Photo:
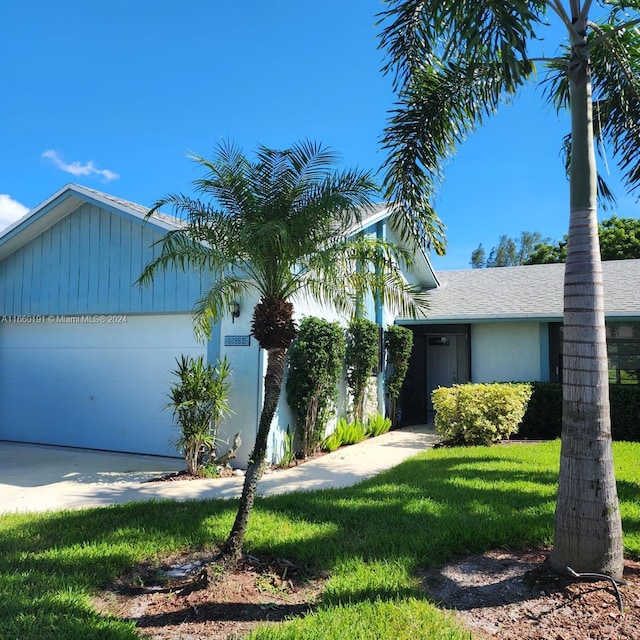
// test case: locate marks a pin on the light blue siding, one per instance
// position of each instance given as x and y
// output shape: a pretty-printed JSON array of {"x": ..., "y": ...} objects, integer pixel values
[{"x": 88, "y": 263}]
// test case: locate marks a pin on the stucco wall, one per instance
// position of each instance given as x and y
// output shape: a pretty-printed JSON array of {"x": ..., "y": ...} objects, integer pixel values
[{"x": 505, "y": 351}]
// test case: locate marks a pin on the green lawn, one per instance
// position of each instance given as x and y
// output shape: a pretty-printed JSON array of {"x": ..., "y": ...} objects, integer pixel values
[{"x": 370, "y": 539}]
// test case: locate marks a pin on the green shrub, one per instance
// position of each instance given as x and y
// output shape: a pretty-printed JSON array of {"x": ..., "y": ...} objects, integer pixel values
[
  {"x": 361, "y": 358},
  {"x": 332, "y": 442},
  {"x": 377, "y": 425},
  {"x": 543, "y": 418},
  {"x": 345, "y": 433},
  {"x": 200, "y": 400},
  {"x": 314, "y": 370},
  {"x": 625, "y": 412},
  {"x": 398, "y": 342},
  {"x": 479, "y": 414},
  {"x": 351, "y": 432}
]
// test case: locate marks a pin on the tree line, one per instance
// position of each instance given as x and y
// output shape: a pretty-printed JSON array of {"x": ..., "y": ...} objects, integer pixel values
[{"x": 619, "y": 240}]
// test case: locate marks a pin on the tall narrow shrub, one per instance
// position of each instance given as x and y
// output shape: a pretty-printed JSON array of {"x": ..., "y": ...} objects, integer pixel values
[
  {"x": 315, "y": 368},
  {"x": 398, "y": 342},
  {"x": 362, "y": 355}
]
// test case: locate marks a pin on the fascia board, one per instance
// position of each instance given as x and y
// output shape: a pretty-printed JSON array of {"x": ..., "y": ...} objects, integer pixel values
[{"x": 57, "y": 207}]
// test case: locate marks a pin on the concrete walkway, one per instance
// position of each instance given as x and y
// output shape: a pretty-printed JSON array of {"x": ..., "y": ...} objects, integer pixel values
[{"x": 42, "y": 478}]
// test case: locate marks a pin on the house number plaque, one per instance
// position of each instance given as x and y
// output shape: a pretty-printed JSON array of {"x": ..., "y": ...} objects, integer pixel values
[{"x": 237, "y": 341}]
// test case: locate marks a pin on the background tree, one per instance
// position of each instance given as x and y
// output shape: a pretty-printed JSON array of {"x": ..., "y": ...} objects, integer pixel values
[
  {"x": 278, "y": 227},
  {"x": 619, "y": 240},
  {"x": 478, "y": 258},
  {"x": 315, "y": 368},
  {"x": 508, "y": 252},
  {"x": 546, "y": 253},
  {"x": 454, "y": 64}
]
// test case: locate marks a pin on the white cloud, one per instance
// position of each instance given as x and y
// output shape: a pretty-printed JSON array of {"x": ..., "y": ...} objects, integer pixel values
[
  {"x": 10, "y": 210},
  {"x": 77, "y": 168}
]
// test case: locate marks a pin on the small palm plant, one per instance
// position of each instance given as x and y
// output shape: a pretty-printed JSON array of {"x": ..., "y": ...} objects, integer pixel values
[
  {"x": 200, "y": 401},
  {"x": 280, "y": 228}
]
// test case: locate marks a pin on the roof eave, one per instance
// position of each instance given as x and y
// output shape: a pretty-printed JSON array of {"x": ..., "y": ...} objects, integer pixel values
[{"x": 57, "y": 207}]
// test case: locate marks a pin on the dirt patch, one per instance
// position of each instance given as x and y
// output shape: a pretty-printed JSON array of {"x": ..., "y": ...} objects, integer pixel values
[
  {"x": 498, "y": 594},
  {"x": 227, "y": 471},
  {"x": 511, "y": 596},
  {"x": 167, "y": 600}
]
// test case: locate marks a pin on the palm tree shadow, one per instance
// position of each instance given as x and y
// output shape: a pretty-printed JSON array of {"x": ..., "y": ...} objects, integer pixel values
[{"x": 493, "y": 579}]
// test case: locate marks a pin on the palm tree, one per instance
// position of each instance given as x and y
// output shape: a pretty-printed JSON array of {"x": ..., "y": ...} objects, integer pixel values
[
  {"x": 279, "y": 227},
  {"x": 454, "y": 64}
]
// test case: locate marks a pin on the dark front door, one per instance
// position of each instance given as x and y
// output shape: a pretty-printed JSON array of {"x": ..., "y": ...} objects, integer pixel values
[{"x": 440, "y": 358}]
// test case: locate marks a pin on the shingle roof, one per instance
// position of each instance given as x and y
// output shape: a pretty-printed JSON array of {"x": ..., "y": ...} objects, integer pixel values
[
  {"x": 534, "y": 291},
  {"x": 132, "y": 206}
]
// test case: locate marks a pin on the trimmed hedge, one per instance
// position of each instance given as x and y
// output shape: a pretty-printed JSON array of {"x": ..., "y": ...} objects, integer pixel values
[
  {"x": 543, "y": 418},
  {"x": 479, "y": 414},
  {"x": 315, "y": 367}
]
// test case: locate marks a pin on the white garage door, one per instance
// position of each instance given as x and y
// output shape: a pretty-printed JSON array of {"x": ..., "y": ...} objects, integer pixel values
[{"x": 98, "y": 382}]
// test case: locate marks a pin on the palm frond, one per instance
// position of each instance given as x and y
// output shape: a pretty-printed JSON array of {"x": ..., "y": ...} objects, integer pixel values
[
  {"x": 419, "y": 31},
  {"x": 615, "y": 64},
  {"x": 280, "y": 226},
  {"x": 214, "y": 305},
  {"x": 615, "y": 77},
  {"x": 356, "y": 267},
  {"x": 178, "y": 250},
  {"x": 437, "y": 111}
]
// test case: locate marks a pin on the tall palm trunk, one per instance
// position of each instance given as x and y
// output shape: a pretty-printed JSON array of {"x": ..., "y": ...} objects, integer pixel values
[
  {"x": 588, "y": 531},
  {"x": 232, "y": 548}
]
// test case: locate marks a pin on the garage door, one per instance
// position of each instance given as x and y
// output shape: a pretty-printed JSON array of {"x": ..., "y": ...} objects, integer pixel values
[{"x": 92, "y": 381}]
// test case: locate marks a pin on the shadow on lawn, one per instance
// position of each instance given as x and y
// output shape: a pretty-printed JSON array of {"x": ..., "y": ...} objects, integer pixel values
[{"x": 419, "y": 514}]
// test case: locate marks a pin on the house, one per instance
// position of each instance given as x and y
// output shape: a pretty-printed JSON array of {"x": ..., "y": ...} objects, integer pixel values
[
  {"x": 86, "y": 355},
  {"x": 504, "y": 324}
]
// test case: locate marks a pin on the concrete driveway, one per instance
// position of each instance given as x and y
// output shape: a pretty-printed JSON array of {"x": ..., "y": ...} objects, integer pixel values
[{"x": 41, "y": 478}]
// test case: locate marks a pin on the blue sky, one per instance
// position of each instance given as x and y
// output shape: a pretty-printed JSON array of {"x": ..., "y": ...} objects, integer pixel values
[{"x": 115, "y": 95}]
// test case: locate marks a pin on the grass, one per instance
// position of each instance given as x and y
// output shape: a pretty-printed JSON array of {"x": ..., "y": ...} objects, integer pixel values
[{"x": 370, "y": 538}]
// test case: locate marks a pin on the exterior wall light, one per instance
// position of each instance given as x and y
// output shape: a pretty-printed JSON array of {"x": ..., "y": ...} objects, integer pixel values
[{"x": 234, "y": 310}]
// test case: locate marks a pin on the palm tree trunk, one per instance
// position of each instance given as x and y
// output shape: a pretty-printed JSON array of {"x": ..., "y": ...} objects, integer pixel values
[
  {"x": 232, "y": 548},
  {"x": 588, "y": 531}
]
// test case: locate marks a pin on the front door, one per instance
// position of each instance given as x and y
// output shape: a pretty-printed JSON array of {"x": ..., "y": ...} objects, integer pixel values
[
  {"x": 442, "y": 366},
  {"x": 440, "y": 358}
]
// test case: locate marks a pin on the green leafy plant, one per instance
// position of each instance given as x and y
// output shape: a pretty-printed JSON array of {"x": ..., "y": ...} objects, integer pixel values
[
  {"x": 398, "y": 342},
  {"x": 332, "y": 442},
  {"x": 288, "y": 450},
  {"x": 377, "y": 425},
  {"x": 200, "y": 401},
  {"x": 345, "y": 433},
  {"x": 209, "y": 469},
  {"x": 315, "y": 366},
  {"x": 355, "y": 432},
  {"x": 479, "y": 414},
  {"x": 361, "y": 358}
]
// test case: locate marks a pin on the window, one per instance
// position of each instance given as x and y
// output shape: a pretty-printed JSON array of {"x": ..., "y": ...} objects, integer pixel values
[{"x": 623, "y": 349}]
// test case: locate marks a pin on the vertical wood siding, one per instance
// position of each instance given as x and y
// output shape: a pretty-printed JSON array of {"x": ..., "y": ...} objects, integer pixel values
[{"x": 87, "y": 263}]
